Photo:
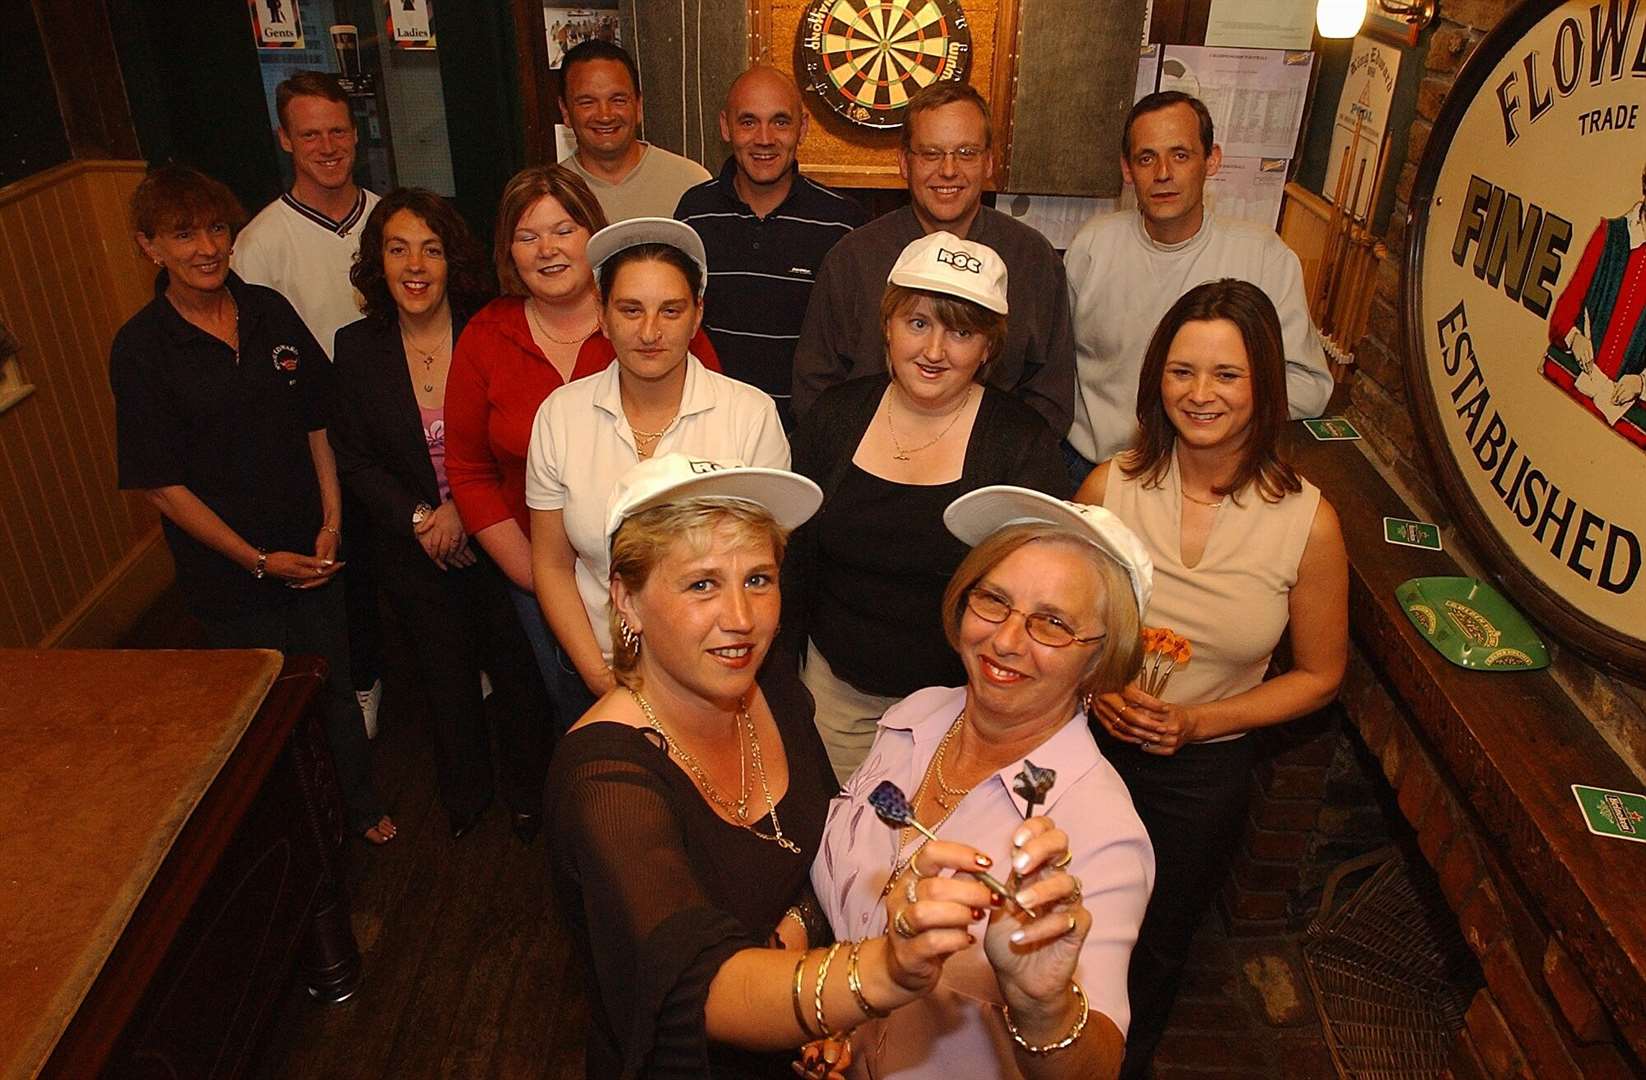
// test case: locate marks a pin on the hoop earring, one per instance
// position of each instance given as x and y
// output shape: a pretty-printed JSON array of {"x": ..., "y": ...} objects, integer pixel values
[{"x": 631, "y": 638}]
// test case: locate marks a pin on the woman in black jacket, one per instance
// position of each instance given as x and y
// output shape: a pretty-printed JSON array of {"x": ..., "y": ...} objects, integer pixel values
[
  {"x": 863, "y": 584},
  {"x": 420, "y": 271}
]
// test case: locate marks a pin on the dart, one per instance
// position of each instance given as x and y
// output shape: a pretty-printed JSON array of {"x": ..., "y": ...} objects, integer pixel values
[{"x": 892, "y": 807}]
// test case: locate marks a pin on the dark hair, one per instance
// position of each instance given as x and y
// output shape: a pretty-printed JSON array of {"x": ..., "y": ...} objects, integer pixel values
[
  {"x": 181, "y": 195},
  {"x": 663, "y": 253},
  {"x": 524, "y": 189},
  {"x": 468, "y": 271},
  {"x": 320, "y": 84},
  {"x": 1250, "y": 310},
  {"x": 951, "y": 311},
  {"x": 937, "y": 95},
  {"x": 595, "y": 49},
  {"x": 1165, "y": 99}
]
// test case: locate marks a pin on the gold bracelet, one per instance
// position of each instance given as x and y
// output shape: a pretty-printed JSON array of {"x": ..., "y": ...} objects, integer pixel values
[
  {"x": 799, "y": 1013},
  {"x": 1063, "y": 1043},
  {"x": 331, "y": 529},
  {"x": 854, "y": 983},
  {"x": 817, "y": 991},
  {"x": 795, "y": 914}
]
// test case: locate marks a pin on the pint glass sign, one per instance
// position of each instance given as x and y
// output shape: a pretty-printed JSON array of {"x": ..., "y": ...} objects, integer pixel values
[{"x": 1525, "y": 293}]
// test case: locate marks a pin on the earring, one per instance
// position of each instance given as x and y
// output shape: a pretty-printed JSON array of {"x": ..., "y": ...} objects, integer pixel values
[{"x": 631, "y": 638}]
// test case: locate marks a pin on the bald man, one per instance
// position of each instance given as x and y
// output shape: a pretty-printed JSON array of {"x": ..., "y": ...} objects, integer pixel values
[{"x": 766, "y": 229}]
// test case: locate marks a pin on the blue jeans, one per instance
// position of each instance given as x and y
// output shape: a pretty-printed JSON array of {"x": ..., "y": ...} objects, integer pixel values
[{"x": 569, "y": 696}]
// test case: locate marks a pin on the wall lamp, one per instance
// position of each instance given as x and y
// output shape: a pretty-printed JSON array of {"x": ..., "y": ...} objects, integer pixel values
[{"x": 1343, "y": 18}]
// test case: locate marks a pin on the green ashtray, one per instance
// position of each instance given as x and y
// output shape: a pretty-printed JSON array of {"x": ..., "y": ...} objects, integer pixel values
[{"x": 1471, "y": 624}]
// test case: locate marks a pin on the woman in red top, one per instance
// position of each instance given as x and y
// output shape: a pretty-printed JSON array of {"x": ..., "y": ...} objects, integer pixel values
[{"x": 541, "y": 333}]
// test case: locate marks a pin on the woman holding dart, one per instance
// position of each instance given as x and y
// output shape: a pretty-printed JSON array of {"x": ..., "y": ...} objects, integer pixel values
[{"x": 1044, "y": 611}]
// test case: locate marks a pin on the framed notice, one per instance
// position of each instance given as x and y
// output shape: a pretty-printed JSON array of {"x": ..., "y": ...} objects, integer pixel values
[
  {"x": 276, "y": 24},
  {"x": 1255, "y": 96},
  {"x": 1525, "y": 288},
  {"x": 410, "y": 26},
  {"x": 1362, "y": 118}
]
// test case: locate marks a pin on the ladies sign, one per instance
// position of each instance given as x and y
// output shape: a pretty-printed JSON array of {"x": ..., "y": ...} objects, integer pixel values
[{"x": 1525, "y": 287}]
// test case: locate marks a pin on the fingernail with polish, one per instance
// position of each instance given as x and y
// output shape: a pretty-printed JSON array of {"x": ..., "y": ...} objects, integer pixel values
[
  {"x": 977, "y": 913},
  {"x": 1017, "y": 937},
  {"x": 1021, "y": 900},
  {"x": 1020, "y": 838},
  {"x": 984, "y": 861},
  {"x": 1021, "y": 860}
]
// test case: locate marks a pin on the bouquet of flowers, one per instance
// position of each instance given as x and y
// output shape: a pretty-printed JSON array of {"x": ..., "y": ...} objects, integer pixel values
[{"x": 1164, "y": 651}]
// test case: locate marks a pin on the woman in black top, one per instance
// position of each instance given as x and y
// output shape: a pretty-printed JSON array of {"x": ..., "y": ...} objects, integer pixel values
[
  {"x": 220, "y": 396},
  {"x": 420, "y": 272},
  {"x": 865, "y": 580},
  {"x": 688, "y": 803}
]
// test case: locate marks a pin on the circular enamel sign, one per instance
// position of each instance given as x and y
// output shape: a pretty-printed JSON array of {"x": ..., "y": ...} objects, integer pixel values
[
  {"x": 1525, "y": 287},
  {"x": 865, "y": 57}
]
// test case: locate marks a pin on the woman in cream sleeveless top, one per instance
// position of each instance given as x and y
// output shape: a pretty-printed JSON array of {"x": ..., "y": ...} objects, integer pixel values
[{"x": 1243, "y": 548}]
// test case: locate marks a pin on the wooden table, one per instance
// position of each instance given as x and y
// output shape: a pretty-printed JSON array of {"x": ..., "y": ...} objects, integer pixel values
[{"x": 170, "y": 850}]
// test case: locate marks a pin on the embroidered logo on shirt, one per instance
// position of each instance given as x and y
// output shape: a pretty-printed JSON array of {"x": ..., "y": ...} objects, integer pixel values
[
  {"x": 803, "y": 270},
  {"x": 285, "y": 361}
]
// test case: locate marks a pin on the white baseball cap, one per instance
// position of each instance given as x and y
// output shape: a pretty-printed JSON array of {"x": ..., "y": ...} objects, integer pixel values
[
  {"x": 941, "y": 262},
  {"x": 648, "y": 230},
  {"x": 977, "y": 515},
  {"x": 788, "y": 497}
]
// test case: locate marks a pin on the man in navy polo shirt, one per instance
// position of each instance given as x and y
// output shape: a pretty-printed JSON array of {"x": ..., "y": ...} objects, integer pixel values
[{"x": 766, "y": 229}]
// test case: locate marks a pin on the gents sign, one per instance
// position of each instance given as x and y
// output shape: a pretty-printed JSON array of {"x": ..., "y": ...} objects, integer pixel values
[{"x": 1526, "y": 282}]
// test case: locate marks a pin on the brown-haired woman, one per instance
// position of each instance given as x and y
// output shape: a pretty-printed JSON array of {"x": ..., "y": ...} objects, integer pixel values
[
  {"x": 890, "y": 452},
  {"x": 1243, "y": 548},
  {"x": 221, "y": 399},
  {"x": 542, "y": 333},
  {"x": 421, "y": 274}
]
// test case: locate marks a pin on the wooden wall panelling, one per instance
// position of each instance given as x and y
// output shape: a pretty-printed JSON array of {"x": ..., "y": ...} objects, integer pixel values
[
  {"x": 1074, "y": 80},
  {"x": 689, "y": 53},
  {"x": 69, "y": 276}
]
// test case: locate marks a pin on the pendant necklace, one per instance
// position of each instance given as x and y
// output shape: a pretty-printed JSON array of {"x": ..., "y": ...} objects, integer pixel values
[
  {"x": 428, "y": 354},
  {"x": 903, "y": 452},
  {"x": 738, "y": 809},
  {"x": 1205, "y": 502},
  {"x": 933, "y": 771}
]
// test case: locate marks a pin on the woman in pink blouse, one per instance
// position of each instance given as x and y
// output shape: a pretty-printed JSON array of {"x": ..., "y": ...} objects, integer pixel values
[{"x": 1043, "y": 611}]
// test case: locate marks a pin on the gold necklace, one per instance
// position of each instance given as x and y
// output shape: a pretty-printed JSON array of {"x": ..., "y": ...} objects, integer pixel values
[
  {"x": 1205, "y": 502},
  {"x": 645, "y": 442},
  {"x": 443, "y": 344},
  {"x": 904, "y": 452},
  {"x": 900, "y": 864},
  {"x": 739, "y": 809},
  {"x": 943, "y": 787},
  {"x": 537, "y": 321}
]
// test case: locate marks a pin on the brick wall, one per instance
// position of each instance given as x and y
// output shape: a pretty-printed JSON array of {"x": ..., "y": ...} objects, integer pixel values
[{"x": 1379, "y": 399}]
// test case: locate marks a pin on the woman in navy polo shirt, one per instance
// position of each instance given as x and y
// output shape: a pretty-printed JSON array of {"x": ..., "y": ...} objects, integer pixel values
[{"x": 220, "y": 408}]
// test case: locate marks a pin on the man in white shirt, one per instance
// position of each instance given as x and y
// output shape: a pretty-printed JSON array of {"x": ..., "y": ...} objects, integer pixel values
[
  {"x": 303, "y": 243},
  {"x": 600, "y": 101},
  {"x": 1127, "y": 268}
]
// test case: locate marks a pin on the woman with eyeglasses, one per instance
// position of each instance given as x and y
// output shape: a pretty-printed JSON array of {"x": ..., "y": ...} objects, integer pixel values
[
  {"x": 1043, "y": 612},
  {"x": 1243, "y": 549},
  {"x": 890, "y": 451}
]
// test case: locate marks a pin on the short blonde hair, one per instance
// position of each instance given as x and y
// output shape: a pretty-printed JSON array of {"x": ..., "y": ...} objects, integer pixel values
[
  {"x": 644, "y": 540},
  {"x": 1117, "y": 661}
]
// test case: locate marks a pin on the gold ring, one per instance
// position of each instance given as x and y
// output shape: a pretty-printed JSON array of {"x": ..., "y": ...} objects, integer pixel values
[
  {"x": 914, "y": 865},
  {"x": 1076, "y": 896},
  {"x": 901, "y": 925},
  {"x": 1063, "y": 860},
  {"x": 909, "y": 892},
  {"x": 1073, "y": 923}
]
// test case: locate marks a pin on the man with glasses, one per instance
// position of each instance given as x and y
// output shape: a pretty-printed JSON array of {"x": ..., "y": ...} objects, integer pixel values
[{"x": 947, "y": 160}]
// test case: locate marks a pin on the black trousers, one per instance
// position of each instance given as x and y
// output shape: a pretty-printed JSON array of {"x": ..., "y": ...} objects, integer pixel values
[
  {"x": 1193, "y": 804},
  {"x": 312, "y": 622},
  {"x": 468, "y": 626},
  {"x": 360, "y": 596}
]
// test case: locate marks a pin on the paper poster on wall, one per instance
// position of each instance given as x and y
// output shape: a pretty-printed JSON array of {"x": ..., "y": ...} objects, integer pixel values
[
  {"x": 565, "y": 142},
  {"x": 569, "y": 27},
  {"x": 409, "y": 25},
  {"x": 1148, "y": 72},
  {"x": 276, "y": 24},
  {"x": 1363, "y": 104},
  {"x": 1264, "y": 24},
  {"x": 1248, "y": 189},
  {"x": 1255, "y": 96}
]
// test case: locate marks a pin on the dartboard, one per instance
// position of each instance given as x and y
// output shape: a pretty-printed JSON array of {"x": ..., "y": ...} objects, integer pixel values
[{"x": 865, "y": 57}]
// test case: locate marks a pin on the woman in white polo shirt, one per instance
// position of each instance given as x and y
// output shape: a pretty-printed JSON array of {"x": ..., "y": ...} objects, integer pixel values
[{"x": 656, "y": 399}]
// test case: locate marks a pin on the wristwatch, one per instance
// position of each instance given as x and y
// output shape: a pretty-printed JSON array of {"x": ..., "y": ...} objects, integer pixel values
[
  {"x": 262, "y": 565},
  {"x": 420, "y": 514}
]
